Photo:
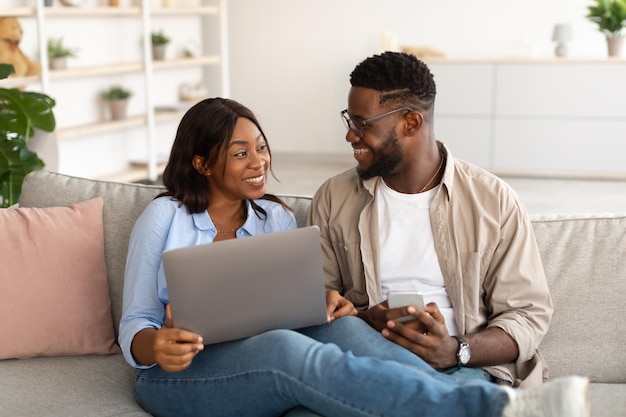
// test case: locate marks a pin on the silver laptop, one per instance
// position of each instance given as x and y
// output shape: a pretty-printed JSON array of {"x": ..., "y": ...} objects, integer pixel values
[{"x": 238, "y": 288}]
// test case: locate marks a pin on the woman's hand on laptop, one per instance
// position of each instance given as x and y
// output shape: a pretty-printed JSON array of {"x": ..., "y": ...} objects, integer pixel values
[
  {"x": 174, "y": 349},
  {"x": 338, "y": 306}
]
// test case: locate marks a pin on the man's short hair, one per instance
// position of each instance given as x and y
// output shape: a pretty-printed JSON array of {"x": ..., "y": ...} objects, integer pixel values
[{"x": 401, "y": 78}]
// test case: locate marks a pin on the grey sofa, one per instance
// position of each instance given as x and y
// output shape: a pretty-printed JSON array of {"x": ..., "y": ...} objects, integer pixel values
[{"x": 584, "y": 258}]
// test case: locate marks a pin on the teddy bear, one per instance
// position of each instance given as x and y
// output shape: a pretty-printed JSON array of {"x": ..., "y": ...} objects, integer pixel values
[{"x": 10, "y": 53}]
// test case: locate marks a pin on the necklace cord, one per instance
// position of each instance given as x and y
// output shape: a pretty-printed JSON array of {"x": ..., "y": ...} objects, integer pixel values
[
  {"x": 219, "y": 232},
  {"x": 434, "y": 176},
  {"x": 240, "y": 221}
]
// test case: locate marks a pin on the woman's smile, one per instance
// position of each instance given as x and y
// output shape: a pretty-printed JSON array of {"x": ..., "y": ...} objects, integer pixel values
[{"x": 256, "y": 180}]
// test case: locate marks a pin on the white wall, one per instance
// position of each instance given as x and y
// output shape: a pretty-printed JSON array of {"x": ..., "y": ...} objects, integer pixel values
[{"x": 291, "y": 59}]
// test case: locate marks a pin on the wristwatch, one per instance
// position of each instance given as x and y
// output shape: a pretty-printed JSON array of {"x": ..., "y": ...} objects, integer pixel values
[{"x": 464, "y": 353}]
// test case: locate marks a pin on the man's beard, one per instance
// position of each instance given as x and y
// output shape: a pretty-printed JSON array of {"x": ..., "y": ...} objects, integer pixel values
[{"x": 385, "y": 160}]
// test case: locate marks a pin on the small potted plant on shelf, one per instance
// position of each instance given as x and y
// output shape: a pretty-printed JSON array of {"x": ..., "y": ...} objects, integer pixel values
[
  {"x": 610, "y": 16},
  {"x": 21, "y": 112},
  {"x": 117, "y": 98},
  {"x": 58, "y": 53},
  {"x": 159, "y": 42}
]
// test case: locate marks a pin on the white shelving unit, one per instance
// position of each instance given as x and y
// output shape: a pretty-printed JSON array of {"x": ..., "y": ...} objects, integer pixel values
[{"x": 81, "y": 118}]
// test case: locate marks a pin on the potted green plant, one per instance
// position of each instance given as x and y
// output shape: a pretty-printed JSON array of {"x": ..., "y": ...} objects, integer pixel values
[
  {"x": 117, "y": 98},
  {"x": 20, "y": 113},
  {"x": 610, "y": 16},
  {"x": 159, "y": 42},
  {"x": 58, "y": 53}
]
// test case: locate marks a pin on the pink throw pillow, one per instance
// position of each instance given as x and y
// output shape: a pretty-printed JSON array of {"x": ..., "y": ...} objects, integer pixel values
[{"x": 54, "y": 296}]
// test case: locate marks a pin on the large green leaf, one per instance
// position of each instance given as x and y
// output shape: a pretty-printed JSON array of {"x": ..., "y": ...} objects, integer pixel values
[
  {"x": 609, "y": 15},
  {"x": 13, "y": 117},
  {"x": 39, "y": 107},
  {"x": 15, "y": 162},
  {"x": 20, "y": 113},
  {"x": 6, "y": 70}
]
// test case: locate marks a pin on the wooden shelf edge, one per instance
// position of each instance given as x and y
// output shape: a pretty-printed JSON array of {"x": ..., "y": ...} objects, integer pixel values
[
  {"x": 88, "y": 129},
  {"x": 61, "y": 11},
  {"x": 100, "y": 127},
  {"x": 539, "y": 174},
  {"x": 119, "y": 68},
  {"x": 185, "y": 62},
  {"x": 19, "y": 12},
  {"x": 66, "y": 11},
  {"x": 110, "y": 69},
  {"x": 93, "y": 71},
  {"x": 190, "y": 10}
]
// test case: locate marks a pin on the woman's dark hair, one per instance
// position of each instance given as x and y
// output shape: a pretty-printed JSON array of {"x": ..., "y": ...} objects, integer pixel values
[{"x": 204, "y": 130}]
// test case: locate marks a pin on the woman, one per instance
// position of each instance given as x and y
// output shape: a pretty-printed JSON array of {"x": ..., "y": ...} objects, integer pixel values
[{"x": 216, "y": 181}]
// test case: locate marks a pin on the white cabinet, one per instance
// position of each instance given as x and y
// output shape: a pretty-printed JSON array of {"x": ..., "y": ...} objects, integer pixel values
[
  {"x": 114, "y": 48},
  {"x": 561, "y": 89},
  {"x": 555, "y": 117}
]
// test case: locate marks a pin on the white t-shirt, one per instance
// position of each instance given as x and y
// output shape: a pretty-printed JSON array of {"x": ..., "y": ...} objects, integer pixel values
[{"x": 408, "y": 261}]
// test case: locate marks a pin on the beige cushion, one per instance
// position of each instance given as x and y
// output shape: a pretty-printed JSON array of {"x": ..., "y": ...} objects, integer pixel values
[{"x": 54, "y": 298}]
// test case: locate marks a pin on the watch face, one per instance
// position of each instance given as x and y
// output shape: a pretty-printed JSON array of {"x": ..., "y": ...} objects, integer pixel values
[
  {"x": 74, "y": 3},
  {"x": 464, "y": 354}
]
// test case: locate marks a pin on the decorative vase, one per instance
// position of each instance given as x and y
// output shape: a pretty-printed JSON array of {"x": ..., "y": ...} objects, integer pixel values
[
  {"x": 114, "y": 3},
  {"x": 47, "y": 3},
  {"x": 118, "y": 109},
  {"x": 58, "y": 63},
  {"x": 614, "y": 44},
  {"x": 158, "y": 52}
]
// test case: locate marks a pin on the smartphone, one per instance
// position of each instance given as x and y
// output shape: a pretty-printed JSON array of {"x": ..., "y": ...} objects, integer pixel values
[{"x": 397, "y": 299}]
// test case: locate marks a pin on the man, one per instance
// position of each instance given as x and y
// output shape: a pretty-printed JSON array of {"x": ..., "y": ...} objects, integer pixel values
[{"x": 413, "y": 217}]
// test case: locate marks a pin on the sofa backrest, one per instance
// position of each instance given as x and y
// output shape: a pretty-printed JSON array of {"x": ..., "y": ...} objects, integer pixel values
[
  {"x": 123, "y": 203},
  {"x": 584, "y": 258}
]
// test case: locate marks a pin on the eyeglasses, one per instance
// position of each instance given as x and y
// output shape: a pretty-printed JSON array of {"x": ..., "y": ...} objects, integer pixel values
[{"x": 357, "y": 125}]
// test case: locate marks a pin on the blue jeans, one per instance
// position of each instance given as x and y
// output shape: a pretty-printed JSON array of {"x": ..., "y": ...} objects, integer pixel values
[{"x": 353, "y": 372}]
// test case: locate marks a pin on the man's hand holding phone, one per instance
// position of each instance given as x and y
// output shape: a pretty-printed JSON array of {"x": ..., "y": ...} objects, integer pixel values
[
  {"x": 395, "y": 309},
  {"x": 398, "y": 299},
  {"x": 402, "y": 307},
  {"x": 420, "y": 329}
]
